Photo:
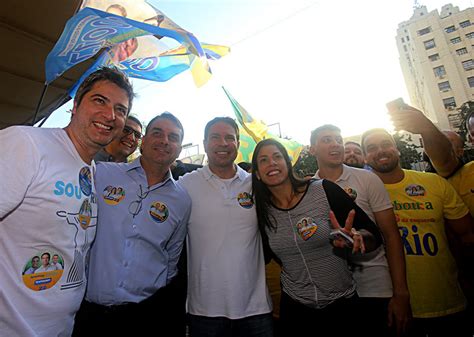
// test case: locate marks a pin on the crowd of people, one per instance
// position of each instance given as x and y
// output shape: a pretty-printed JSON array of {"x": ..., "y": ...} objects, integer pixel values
[{"x": 155, "y": 247}]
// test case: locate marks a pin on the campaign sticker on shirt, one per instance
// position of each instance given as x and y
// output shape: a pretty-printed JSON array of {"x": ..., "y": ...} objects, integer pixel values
[
  {"x": 306, "y": 228},
  {"x": 85, "y": 214},
  {"x": 43, "y": 270},
  {"x": 245, "y": 200},
  {"x": 85, "y": 180},
  {"x": 415, "y": 190},
  {"x": 159, "y": 211},
  {"x": 352, "y": 192},
  {"x": 113, "y": 195}
]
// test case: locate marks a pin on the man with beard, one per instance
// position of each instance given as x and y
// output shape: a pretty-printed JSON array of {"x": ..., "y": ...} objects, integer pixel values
[
  {"x": 353, "y": 155},
  {"x": 426, "y": 206},
  {"x": 380, "y": 275}
]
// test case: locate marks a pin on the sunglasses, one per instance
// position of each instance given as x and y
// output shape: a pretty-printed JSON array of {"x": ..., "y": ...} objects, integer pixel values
[{"x": 128, "y": 131}]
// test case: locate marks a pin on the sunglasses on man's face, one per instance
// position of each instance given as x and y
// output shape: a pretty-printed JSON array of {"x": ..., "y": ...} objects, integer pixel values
[{"x": 128, "y": 131}]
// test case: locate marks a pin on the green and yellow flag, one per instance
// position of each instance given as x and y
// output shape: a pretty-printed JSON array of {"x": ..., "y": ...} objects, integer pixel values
[{"x": 252, "y": 131}]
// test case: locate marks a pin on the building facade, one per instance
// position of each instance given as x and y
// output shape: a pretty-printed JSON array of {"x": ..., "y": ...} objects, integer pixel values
[{"x": 437, "y": 60}]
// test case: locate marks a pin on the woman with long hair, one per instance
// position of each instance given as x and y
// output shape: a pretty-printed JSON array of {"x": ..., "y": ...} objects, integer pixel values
[{"x": 296, "y": 219}]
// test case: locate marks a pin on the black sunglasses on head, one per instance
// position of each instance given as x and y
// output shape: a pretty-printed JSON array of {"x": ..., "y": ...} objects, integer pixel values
[{"x": 128, "y": 130}]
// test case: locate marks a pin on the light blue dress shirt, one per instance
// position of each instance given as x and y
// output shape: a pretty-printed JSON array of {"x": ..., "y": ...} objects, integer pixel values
[{"x": 140, "y": 234}]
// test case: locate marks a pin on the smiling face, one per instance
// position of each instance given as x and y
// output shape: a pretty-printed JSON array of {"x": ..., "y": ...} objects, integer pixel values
[
  {"x": 328, "y": 148},
  {"x": 221, "y": 146},
  {"x": 272, "y": 168},
  {"x": 162, "y": 143},
  {"x": 381, "y": 153},
  {"x": 353, "y": 155},
  {"x": 99, "y": 117},
  {"x": 45, "y": 260},
  {"x": 124, "y": 145}
]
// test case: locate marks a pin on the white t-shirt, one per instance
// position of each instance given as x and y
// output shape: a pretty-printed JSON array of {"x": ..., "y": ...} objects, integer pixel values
[
  {"x": 47, "y": 205},
  {"x": 371, "y": 270},
  {"x": 226, "y": 268}
]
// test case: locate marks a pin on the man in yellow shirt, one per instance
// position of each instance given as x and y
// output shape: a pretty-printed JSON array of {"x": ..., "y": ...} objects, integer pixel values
[{"x": 425, "y": 205}]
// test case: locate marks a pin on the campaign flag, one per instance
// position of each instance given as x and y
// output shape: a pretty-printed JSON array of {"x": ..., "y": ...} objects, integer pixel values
[
  {"x": 253, "y": 131},
  {"x": 92, "y": 30}
]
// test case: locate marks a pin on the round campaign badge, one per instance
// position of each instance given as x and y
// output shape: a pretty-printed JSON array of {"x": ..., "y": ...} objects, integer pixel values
[
  {"x": 85, "y": 214},
  {"x": 113, "y": 195},
  {"x": 415, "y": 190},
  {"x": 158, "y": 211},
  {"x": 85, "y": 180},
  {"x": 245, "y": 200},
  {"x": 306, "y": 228},
  {"x": 43, "y": 270},
  {"x": 352, "y": 192}
]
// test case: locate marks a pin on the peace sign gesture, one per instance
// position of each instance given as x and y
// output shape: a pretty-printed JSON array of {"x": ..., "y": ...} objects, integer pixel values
[{"x": 346, "y": 236}]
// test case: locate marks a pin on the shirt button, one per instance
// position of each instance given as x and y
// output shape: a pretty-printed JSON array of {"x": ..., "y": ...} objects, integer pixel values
[{"x": 125, "y": 264}]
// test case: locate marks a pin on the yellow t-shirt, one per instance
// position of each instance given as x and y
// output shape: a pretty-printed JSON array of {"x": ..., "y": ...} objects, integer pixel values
[
  {"x": 421, "y": 201},
  {"x": 463, "y": 183}
]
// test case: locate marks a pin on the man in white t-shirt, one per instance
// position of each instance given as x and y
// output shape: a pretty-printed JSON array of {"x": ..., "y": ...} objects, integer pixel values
[
  {"x": 374, "y": 275},
  {"x": 49, "y": 204},
  {"x": 227, "y": 293}
]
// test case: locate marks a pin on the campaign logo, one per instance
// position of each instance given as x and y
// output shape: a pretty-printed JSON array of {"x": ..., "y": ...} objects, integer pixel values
[
  {"x": 415, "y": 190},
  {"x": 245, "y": 200},
  {"x": 351, "y": 192},
  {"x": 159, "y": 211},
  {"x": 306, "y": 228},
  {"x": 113, "y": 195},
  {"x": 85, "y": 180},
  {"x": 43, "y": 270}
]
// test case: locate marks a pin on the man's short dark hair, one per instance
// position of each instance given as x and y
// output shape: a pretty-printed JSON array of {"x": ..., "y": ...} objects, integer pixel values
[
  {"x": 169, "y": 116},
  {"x": 226, "y": 120},
  {"x": 135, "y": 119},
  {"x": 372, "y": 131},
  {"x": 326, "y": 127},
  {"x": 46, "y": 253},
  {"x": 353, "y": 143},
  {"x": 111, "y": 74}
]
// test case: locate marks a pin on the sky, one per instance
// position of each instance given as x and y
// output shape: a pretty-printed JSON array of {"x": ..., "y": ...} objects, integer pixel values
[{"x": 299, "y": 63}]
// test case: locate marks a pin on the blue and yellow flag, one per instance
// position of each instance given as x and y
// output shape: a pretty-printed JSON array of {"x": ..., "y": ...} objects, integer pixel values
[
  {"x": 135, "y": 47},
  {"x": 253, "y": 131}
]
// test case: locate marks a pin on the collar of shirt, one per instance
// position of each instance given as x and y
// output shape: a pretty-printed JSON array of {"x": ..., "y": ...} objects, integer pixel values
[
  {"x": 136, "y": 171},
  {"x": 208, "y": 174},
  {"x": 344, "y": 176}
]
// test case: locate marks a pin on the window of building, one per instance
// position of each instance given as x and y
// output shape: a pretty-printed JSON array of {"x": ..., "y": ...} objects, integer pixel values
[
  {"x": 461, "y": 51},
  {"x": 429, "y": 44},
  {"x": 449, "y": 103},
  {"x": 468, "y": 65},
  {"x": 405, "y": 48},
  {"x": 408, "y": 38},
  {"x": 450, "y": 29},
  {"x": 470, "y": 35},
  {"x": 403, "y": 40},
  {"x": 433, "y": 57},
  {"x": 456, "y": 40},
  {"x": 470, "y": 80},
  {"x": 439, "y": 71},
  {"x": 465, "y": 24},
  {"x": 424, "y": 31},
  {"x": 444, "y": 86}
]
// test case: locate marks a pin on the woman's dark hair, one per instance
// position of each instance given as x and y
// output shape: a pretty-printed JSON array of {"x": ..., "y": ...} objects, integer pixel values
[{"x": 260, "y": 191}]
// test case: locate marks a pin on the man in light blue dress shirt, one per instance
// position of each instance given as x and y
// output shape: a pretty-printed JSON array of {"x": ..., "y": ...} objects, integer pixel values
[{"x": 143, "y": 216}]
